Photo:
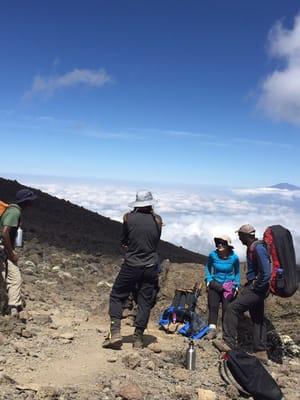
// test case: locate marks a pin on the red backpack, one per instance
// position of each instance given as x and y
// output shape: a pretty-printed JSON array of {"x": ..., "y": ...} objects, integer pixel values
[
  {"x": 284, "y": 282},
  {"x": 279, "y": 242}
]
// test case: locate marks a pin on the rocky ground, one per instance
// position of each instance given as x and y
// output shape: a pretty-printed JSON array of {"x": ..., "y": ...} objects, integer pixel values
[{"x": 54, "y": 350}]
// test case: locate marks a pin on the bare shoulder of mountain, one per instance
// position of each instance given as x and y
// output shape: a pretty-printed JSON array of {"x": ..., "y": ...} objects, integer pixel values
[
  {"x": 66, "y": 225},
  {"x": 286, "y": 186}
]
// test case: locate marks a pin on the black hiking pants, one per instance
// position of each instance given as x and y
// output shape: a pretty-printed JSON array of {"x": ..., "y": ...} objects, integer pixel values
[
  {"x": 214, "y": 298},
  {"x": 127, "y": 281},
  {"x": 253, "y": 302}
]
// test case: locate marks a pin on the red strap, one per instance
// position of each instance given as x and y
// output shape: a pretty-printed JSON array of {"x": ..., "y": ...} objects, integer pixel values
[{"x": 268, "y": 238}]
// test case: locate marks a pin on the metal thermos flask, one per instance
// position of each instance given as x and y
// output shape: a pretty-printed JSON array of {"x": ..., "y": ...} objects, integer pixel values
[
  {"x": 19, "y": 238},
  {"x": 190, "y": 357}
]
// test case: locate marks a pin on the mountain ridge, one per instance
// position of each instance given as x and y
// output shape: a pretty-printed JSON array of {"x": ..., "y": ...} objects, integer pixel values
[{"x": 61, "y": 223}]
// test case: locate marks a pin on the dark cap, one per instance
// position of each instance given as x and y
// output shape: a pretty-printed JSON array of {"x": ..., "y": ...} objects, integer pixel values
[
  {"x": 25, "y": 195},
  {"x": 247, "y": 228}
]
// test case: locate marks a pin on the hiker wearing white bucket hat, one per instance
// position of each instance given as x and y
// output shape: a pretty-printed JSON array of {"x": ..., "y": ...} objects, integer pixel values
[
  {"x": 139, "y": 273},
  {"x": 143, "y": 198}
]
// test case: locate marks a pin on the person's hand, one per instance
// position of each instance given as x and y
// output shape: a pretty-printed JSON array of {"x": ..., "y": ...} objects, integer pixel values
[{"x": 14, "y": 258}]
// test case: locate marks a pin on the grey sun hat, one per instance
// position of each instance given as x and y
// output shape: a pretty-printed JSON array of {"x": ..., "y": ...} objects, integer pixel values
[
  {"x": 247, "y": 228},
  {"x": 143, "y": 198},
  {"x": 226, "y": 238}
]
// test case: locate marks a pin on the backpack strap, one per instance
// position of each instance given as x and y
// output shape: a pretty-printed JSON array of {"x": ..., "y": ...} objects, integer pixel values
[
  {"x": 10, "y": 206},
  {"x": 252, "y": 247},
  {"x": 228, "y": 378}
]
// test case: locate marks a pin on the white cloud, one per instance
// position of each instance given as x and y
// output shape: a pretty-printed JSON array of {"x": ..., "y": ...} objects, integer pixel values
[
  {"x": 192, "y": 220},
  {"x": 280, "y": 91},
  {"x": 48, "y": 85},
  {"x": 109, "y": 135}
]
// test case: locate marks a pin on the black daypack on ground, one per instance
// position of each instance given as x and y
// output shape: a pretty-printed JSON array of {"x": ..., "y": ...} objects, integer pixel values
[{"x": 247, "y": 373}]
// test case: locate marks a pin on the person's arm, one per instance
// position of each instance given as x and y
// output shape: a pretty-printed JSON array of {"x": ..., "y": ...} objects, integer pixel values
[
  {"x": 124, "y": 235},
  {"x": 159, "y": 223},
  {"x": 236, "y": 267},
  {"x": 264, "y": 268},
  {"x": 9, "y": 250},
  {"x": 208, "y": 270}
]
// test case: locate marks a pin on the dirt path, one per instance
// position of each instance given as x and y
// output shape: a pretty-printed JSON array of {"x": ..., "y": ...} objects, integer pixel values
[{"x": 81, "y": 361}]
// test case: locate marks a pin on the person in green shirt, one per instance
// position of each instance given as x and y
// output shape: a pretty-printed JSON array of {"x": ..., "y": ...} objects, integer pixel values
[{"x": 10, "y": 221}]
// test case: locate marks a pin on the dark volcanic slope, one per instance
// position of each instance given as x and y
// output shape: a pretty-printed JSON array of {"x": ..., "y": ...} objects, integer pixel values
[{"x": 63, "y": 224}]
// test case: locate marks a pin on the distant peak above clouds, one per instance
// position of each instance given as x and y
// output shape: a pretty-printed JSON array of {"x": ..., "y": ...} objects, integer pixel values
[{"x": 286, "y": 186}]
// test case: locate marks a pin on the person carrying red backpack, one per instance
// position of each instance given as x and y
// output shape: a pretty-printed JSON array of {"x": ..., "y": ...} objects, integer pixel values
[{"x": 252, "y": 296}]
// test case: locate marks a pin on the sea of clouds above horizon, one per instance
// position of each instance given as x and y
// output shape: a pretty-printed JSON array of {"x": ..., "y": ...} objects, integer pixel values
[{"x": 192, "y": 218}]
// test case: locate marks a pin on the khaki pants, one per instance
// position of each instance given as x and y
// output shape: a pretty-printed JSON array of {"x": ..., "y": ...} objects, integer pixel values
[{"x": 13, "y": 280}]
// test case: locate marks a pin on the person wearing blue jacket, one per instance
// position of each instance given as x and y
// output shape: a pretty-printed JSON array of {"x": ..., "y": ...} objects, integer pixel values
[
  {"x": 222, "y": 276},
  {"x": 251, "y": 298}
]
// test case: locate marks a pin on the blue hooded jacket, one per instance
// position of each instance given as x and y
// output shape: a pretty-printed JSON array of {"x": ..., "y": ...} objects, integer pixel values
[{"x": 223, "y": 270}]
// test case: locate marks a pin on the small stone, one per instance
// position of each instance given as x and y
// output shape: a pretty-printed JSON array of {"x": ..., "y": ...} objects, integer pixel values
[
  {"x": 150, "y": 365},
  {"x": 34, "y": 387},
  {"x": 5, "y": 379},
  {"x": 66, "y": 335},
  {"x": 42, "y": 319},
  {"x": 24, "y": 316},
  {"x": 155, "y": 347},
  {"x": 2, "y": 360},
  {"x": 130, "y": 392},
  {"x": 112, "y": 359},
  {"x": 21, "y": 349},
  {"x": 65, "y": 276},
  {"x": 283, "y": 381},
  {"x": 26, "y": 334},
  {"x": 180, "y": 374},
  {"x": 182, "y": 393},
  {"x": 104, "y": 284},
  {"x": 295, "y": 368},
  {"x": 132, "y": 361},
  {"x": 204, "y": 394},
  {"x": 232, "y": 392}
]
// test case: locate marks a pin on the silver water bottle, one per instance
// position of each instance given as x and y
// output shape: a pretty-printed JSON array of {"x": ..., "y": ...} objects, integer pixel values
[
  {"x": 190, "y": 357},
  {"x": 19, "y": 238}
]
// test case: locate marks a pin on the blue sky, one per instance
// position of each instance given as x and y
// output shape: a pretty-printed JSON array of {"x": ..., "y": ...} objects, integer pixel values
[{"x": 162, "y": 91}]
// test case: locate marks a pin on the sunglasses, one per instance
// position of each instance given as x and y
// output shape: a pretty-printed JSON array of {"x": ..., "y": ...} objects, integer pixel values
[{"x": 222, "y": 243}]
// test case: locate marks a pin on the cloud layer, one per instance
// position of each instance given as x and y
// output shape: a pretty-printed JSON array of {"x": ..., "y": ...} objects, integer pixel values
[
  {"x": 48, "y": 85},
  {"x": 191, "y": 219},
  {"x": 280, "y": 91}
]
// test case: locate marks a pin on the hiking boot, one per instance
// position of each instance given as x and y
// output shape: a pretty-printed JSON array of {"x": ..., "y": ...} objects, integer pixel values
[
  {"x": 113, "y": 341},
  {"x": 138, "y": 339},
  {"x": 212, "y": 334},
  {"x": 221, "y": 345},
  {"x": 261, "y": 356}
]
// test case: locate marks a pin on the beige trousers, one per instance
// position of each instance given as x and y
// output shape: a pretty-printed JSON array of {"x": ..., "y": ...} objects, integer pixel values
[{"x": 13, "y": 280}]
